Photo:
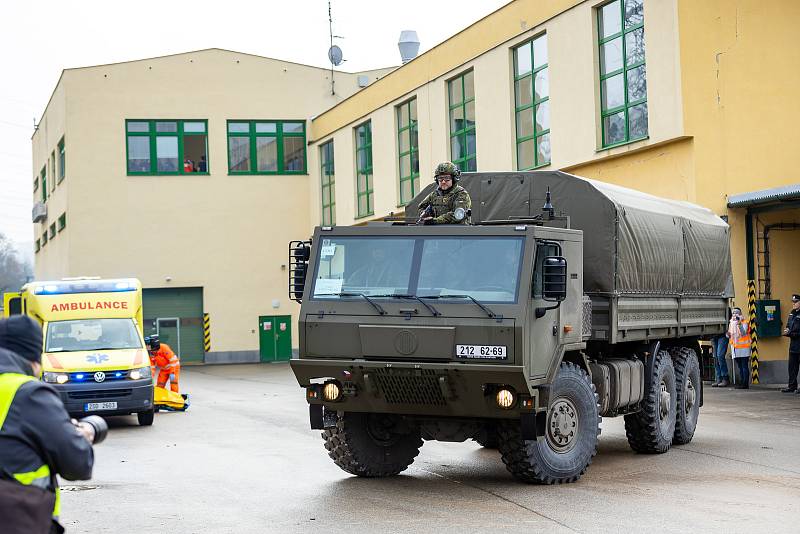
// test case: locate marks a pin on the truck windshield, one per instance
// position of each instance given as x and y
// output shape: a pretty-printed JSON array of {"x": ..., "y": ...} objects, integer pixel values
[
  {"x": 485, "y": 268},
  {"x": 92, "y": 334}
]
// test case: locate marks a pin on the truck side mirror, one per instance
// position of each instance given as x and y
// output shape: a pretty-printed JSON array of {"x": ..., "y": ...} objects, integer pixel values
[{"x": 554, "y": 278}]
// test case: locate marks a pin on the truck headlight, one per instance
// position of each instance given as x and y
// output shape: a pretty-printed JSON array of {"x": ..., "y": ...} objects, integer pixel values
[
  {"x": 142, "y": 372},
  {"x": 505, "y": 398},
  {"x": 55, "y": 378},
  {"x": 332, "y": 391}
]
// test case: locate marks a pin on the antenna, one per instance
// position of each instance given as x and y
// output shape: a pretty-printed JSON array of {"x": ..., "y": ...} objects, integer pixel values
[{"x": 335, "y": 55}]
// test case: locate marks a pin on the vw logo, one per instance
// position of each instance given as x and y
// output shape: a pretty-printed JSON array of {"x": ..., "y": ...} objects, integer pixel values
[{"x": 99, "y": 376}]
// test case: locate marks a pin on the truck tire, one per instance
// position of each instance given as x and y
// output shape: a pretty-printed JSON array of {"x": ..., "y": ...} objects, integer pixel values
[
  {"x": 687, "y": 392},
  {"x": 570, "y": 440},
  {"x": 146, "y": 418},
  {"x": 372, "y": 445},
  {"x": 487, "y": 437},
  {"x": 651, "y": 430}
]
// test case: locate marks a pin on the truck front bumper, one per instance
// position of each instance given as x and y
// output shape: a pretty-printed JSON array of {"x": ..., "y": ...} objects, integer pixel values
[
  {"x": 131, "y": 396},
  {"x": 424, "y": 389}
]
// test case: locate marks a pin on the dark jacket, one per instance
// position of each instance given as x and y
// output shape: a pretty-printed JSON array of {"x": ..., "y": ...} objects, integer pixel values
[
  {"x": 37, "y": 431},
  {"x": 793, "y": 324}
]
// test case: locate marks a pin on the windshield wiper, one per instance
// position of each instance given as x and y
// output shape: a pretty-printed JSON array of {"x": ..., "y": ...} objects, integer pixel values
[
  {"x": 374, "y": 304},
  {"x": 430, "y": 308},
  {"x": 489, "y": 312}
]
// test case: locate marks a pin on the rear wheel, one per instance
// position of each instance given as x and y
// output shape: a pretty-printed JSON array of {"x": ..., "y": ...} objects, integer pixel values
[
  {"x": 651, "y": 430},
  {"x": 570, "y": 440},
  {"x": 146, "y": 418},
  {"x": 687, "y": 391},
  {"x": 372, "y": 445}
]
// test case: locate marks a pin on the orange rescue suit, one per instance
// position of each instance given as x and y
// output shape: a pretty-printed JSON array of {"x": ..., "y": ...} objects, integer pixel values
[{"x": 170, "y": 367}]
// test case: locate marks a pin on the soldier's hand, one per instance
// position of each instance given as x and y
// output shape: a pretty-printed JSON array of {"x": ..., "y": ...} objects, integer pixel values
[{"x": 86, "y": 430}]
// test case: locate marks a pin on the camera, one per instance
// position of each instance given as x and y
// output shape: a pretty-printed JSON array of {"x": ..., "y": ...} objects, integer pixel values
[{"x": 100, "y": 427}]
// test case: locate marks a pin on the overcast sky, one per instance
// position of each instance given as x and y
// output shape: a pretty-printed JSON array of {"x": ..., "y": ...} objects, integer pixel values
[{"x": 39, "y": 39}]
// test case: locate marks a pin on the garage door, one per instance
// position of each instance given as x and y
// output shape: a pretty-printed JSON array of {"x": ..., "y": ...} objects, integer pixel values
[{"x": 176, "y": 315}]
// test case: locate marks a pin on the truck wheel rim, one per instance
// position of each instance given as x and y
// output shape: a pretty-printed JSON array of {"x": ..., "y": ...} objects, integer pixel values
[
  {"x": 691, "y": 397},
  {"x": 665, "y": 401},
  {"x": 382, "y": 429},
  {"x": 563, "y": 425}
]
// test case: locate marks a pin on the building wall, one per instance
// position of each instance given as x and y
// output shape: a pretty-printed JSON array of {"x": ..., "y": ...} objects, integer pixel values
[{"x": 226, "y": 234}]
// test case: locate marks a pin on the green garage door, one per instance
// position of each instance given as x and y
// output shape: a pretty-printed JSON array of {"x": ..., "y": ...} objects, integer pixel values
[{"x": 176, "y": 315}]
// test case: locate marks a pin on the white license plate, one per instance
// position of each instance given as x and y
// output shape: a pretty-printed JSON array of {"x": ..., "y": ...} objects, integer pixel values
[
  {"x": 93, "y": 406},
  {"x": 481, "y": 352}
]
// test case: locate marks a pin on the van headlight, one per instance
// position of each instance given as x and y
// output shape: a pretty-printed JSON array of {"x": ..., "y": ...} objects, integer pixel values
[
  {"x": 55, "y": 378},
  {"x": 138, "y": 374}
]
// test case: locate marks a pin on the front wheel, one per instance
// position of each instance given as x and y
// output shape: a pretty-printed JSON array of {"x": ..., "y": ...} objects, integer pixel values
[
  {"x": 372, "y": 445},
  {"x": 570, "y": 440},
  {"x": 146, "y": 418}
]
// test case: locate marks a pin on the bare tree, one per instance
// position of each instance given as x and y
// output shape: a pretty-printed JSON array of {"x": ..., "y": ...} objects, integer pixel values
[{"x": 14, "y": 271}]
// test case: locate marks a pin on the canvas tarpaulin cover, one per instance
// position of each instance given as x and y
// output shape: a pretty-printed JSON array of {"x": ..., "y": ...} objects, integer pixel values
[{"x": 634, "y": 242}]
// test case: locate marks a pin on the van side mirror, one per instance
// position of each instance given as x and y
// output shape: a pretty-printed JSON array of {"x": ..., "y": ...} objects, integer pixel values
[{"x": 554, "y": 278}]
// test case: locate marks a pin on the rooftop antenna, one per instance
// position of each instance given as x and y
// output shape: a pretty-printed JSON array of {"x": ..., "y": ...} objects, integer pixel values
[
  {"x": 548, "y": 206},
  {"x": 335, "y": 55}
]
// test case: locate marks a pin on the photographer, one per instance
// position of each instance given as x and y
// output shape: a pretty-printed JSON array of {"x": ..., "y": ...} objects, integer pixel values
[
  {"x": 37, "y": 438},
  {"x": 739, "y": 336}
]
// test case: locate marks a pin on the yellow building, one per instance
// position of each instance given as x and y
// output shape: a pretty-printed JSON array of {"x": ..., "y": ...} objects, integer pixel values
[{"x": 684, "y": 99}]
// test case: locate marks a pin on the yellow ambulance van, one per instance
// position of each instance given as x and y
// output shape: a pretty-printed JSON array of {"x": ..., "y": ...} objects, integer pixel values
[{"x": 94, "y": 352}]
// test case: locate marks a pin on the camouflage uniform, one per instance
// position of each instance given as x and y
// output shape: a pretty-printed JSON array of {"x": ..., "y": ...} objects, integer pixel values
[{"x": 444, "y": 203}]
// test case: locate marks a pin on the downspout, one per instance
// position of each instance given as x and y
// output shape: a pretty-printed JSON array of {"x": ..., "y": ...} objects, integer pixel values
[{"x": 748, "y": 230}]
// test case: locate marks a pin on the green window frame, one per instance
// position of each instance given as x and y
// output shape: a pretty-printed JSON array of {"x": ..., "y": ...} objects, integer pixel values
[
  {"x": 53, "y": 173},
  {"x": 62, "y": 161},
  {"x": 166, "y": 147},
  {"x": 44, "y": 237},
  {"x": 532, "y": 103},
  {"x": 35, "y": 183},
  {"x": 38, "y": 246},
  {"x": 266, "y": 147},
  {"x": 461, "y": 105},
  {"x": 43, "y": 175},
  {"x": 364, "y": 186},
  {"x": 327, "y": 175},
  {"x": 623, "y": 73},
  {"x": 52, "y": 231},
  {"x": 62, "y": 221},
  {"x": 408, "y": 150}
]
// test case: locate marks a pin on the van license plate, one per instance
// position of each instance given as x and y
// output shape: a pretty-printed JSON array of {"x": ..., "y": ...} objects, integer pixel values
[
  {"x": 481, "y": 352},
  {"x": 94, "y": 406}
]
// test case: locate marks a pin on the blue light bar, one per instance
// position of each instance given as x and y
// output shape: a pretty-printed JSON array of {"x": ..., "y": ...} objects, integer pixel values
[{"x": 66, "y": 287}]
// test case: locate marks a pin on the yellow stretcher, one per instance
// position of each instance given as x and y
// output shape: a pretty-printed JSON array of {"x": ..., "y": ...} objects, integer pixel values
[{"x": 170, "y": 401}]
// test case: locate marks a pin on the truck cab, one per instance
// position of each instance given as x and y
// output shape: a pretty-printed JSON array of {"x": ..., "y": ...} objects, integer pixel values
[{"x": 93, "y": 350}]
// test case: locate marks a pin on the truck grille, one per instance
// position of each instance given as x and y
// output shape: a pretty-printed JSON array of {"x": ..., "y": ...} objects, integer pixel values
[
  {"x": 98, "y": 394},
  {"x": 410, "y": 386}
]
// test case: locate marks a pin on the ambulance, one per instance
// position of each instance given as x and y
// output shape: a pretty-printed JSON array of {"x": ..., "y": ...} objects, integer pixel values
[{"x": 94, "y": 353}]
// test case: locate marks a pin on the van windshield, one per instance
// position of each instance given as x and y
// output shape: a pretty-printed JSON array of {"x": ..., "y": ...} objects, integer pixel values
[
  {"x": 92, "y": 334},
  {"x": 485, "y": 268}
]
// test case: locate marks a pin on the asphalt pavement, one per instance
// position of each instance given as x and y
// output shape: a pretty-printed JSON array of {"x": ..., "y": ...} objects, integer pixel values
[{"x": 243, "y": 460}]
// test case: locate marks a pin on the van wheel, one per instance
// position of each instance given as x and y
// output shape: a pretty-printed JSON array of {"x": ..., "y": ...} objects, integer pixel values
[
  {"x": 687, "y": 392},
  {"x": 372, "y": 444},
  {"x": 570, "y": 440},
  {"x": 146, "y": 418},
  {"x": 651, "y": 430}
]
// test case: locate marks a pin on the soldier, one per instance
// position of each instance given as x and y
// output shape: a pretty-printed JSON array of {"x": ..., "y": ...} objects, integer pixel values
[{"x": 441, "y": 206}]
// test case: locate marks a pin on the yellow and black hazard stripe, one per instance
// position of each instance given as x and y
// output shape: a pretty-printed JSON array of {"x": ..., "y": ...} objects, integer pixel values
[
  {"x": 206, "y": 333},
  {"x": 751, "y": 308}
]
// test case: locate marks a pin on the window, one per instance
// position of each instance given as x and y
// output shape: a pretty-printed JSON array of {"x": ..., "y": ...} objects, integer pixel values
[
  {"x": 266, "y": 147},
  {"x": 327, "y": 184},
  {"x": 52, "y": 230},
  {"x": 44, "y": 237},
  {"x": 408, "y": 150},
  {"x": 167, "y": 146},
  {"x": 623, "y": 81},
  {"x": 62, "y": 161},
  {"x": 53, "y": 171},
  {"x": 35, "y": 184},
  {"x": 62, "y": 221},
  {"x": 43, "y": 175},
  {"x": 532, "y": 104},
  {"x": 38, "y": 245},
  {"x": 364, "y": 192},
  {"x": 461, "y": 93}
]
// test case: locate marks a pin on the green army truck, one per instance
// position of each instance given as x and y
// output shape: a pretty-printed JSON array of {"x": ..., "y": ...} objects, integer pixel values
[{"x": 566, "y": 300}]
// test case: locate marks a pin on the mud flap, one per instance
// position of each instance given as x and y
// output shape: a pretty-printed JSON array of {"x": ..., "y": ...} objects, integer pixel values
[{"x": 315, "y": 416}]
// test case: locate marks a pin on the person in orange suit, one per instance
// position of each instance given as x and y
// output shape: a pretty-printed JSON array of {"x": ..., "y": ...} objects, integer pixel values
[{"x": 162, "y": 356}]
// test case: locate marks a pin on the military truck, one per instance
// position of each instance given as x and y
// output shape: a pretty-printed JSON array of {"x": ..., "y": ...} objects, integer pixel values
[{"x": 566, "y": 300}]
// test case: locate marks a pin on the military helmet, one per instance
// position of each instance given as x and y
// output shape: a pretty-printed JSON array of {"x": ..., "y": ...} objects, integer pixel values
[{"x": 447, "y": 167}]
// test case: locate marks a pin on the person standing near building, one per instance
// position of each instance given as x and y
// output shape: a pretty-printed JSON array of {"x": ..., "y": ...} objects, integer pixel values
[
  {"x": 162, "y": 356},
  {"x": 792, "y": 331},
  {"x": 739, "y": 336},
  {"x": 442, "y": 205},
  {"x": 720, "y": 348},
  {"x": 37, "y": 438}
]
